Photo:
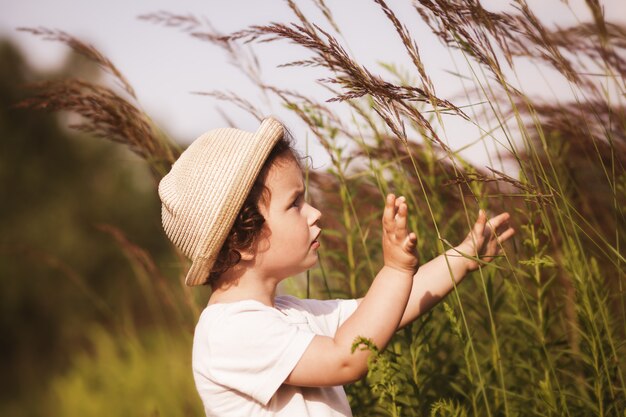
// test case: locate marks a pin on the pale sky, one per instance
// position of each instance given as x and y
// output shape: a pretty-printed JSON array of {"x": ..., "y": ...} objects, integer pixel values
[{"x": 165, "y": 65}]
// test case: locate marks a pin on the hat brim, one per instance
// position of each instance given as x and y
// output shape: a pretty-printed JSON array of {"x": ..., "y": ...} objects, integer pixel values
[{"x": 199, "y": 272}]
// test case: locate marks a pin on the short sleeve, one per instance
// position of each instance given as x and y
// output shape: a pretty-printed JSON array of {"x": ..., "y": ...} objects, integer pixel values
[
  {"x": 253, "y": 349},
  {"x": 328, "y": 315}
]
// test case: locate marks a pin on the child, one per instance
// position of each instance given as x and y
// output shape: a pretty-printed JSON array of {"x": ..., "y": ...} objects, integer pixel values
[{"x": 234, "y": 203}]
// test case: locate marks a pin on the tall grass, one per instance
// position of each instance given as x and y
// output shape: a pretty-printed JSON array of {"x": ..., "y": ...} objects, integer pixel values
[{"x": 541, "y": 331}]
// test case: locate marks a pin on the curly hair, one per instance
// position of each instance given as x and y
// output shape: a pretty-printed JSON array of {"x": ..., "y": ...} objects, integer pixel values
[{"x": 249, "y": 222}]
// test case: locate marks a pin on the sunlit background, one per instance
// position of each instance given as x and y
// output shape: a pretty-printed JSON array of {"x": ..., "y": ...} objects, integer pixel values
[
  {"x": 166, "y": 65},
  {"x": 92, "y": 311}
]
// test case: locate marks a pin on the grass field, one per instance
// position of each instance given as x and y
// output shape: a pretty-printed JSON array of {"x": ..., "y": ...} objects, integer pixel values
[{"x": 540, "y": 332}]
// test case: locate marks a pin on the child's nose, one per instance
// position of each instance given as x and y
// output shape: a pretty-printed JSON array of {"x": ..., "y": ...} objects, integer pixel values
[{"x": 314, "y": 215}]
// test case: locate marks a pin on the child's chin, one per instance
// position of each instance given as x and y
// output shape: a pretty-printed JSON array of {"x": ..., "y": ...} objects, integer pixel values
[{"x": 311, "y": 262}]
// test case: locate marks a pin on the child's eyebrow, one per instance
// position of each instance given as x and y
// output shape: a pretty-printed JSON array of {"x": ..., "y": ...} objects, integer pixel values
[{"x": 296, "y": 194}]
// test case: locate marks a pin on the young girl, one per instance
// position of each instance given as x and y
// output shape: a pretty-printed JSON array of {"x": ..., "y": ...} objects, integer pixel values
[{"x": 234, "y": 204}]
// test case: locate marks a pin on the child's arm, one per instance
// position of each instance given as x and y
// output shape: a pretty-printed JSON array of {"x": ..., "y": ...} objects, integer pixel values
[
  {"x": 433, "y": 281},
  {"x": 329, "y": 361}
]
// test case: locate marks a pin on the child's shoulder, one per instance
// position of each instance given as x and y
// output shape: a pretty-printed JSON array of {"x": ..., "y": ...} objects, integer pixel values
[
  {"x": 222, "y": 310},
  {"x": 287, "y": 308},
  {"x": 227, "y": 321},
  {"x": 249, "y": 309}
]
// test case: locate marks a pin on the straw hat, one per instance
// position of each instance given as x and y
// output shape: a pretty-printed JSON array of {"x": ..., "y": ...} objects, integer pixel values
[{"x": 206, "y": 187}]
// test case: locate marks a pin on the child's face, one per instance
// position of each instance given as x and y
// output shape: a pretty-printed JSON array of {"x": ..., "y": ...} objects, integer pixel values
[{"x": 288, "y": 243}]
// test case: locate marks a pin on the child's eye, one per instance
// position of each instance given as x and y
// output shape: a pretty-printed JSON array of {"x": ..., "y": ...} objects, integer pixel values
[{"x": 296, "y": 202}]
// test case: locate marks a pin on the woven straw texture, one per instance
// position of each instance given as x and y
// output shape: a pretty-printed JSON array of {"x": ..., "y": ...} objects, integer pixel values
[{"x": 206, "y": 187}]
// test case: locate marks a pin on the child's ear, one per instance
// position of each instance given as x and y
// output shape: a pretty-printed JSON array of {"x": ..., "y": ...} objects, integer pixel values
[{"x": 246, "y": 254}]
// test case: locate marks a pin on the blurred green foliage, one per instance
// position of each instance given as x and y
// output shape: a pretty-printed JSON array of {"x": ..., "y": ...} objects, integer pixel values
[
  {"x": 60, "y": 274},
  {"x": 128, "y": 377}
]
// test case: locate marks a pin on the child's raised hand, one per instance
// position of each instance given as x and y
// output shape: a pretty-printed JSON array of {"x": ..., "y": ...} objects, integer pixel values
[
  {"x": 485, "y": 239},
  {"x": 398, "y": 244}
]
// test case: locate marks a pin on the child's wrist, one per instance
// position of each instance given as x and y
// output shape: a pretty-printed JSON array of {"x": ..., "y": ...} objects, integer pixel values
[
  {"x": 403, "y": 270},
  {"x": 464, "y": 253},
  {"x": 460, "y": 255}
]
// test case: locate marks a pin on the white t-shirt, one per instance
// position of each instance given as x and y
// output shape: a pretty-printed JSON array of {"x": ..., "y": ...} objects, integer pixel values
[{"x": 244, "y": 351}]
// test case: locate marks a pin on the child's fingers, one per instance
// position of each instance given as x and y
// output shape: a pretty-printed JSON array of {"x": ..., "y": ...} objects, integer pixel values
[
  {"x": 497, "y": 221},
  {"x": 503, "y": 227},
  {"x": 395, "y": 220},
  {"x": 401, "y": 220},
  {"x": 389, "y": 213},
  {"x": 479, "y": 226},
  {"x": 400, "y": 201},
  {"x": 411, "y": 241},
  {"x": 504, "y": 236}
]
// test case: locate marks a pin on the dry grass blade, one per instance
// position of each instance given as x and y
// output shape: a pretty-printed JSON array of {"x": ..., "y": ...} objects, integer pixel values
[
  {"x": 541, "y": 39},
  {"x": 453, "y": 23},
  {"x": 86, "y": 50},
  {"x": 391, "y": 100},
  {"x": 107, "y": 116},
  {"x": 246, "y": 61},
  {"x": 145, "y": 270},
  {"x": 411, "y": 48},
  {"x": 466, "y": 25},
  {"x": 314, "y": 115},
  {"x": 607, "y": 47},
  {"x": 327, "y": 14},
  {"x": 296, "y": 10},
  {"x": 498, "y": 176},
  {"x": 187, "y": 23},
  {"x": 138, "y": 254}
]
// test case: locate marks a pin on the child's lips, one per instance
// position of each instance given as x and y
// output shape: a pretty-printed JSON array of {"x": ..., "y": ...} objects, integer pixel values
[{"x": 316, "y": 242}]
